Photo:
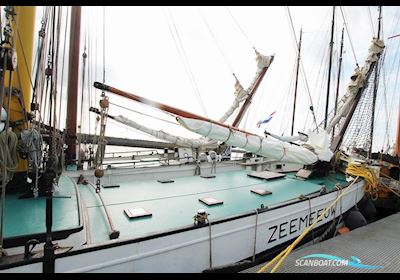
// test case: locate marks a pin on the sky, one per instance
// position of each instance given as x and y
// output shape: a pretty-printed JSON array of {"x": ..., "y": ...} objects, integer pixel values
[{"x": 185, "y": 57}]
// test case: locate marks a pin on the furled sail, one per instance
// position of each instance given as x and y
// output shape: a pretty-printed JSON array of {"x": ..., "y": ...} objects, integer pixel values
[
  {"x": 357, "y": 81},
  {"x": 240, "y": 93},
  {"x": 300, "y": 137},
  {"x": 317, "y": 148},
  {"x": 179, "y": 141}
]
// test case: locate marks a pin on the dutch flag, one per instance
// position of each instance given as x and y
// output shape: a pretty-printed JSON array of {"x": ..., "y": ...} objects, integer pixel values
[{"x": 266, "y": 120}]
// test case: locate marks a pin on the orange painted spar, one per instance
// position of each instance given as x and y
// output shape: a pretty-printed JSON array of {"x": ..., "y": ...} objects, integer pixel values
[{"x": 161, "y": 106}]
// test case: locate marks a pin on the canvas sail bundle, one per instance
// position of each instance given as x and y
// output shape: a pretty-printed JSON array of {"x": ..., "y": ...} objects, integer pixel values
[
  {"x": 317, "y": 147},
  {"x": 357, "y": 81}
]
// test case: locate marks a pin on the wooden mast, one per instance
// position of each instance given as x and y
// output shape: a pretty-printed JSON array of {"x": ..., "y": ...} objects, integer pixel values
[
  {"x": 297, "y": 79},
  {"x": 329, "y": 69},
  {"x": 73, "y": 67},
  {"x": 376, "y": 80},
  {"x": 338, "y": 77}
]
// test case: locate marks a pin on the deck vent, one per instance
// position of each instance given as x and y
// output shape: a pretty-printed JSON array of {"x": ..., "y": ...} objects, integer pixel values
[
  {"x": 210, "y": 201},
  {"x": 164, "y": 181},
  {"x": 261, "y": 192},
  {"x": 137, "y": 212}
]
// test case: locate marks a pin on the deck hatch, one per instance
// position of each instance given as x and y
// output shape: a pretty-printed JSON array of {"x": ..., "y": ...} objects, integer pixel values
[
  {"x": 137, "y": 212},
  {"x": 210, "y": 201},
  {"x": 261, "y": 192},
  {"x": 266, "y": 175}
]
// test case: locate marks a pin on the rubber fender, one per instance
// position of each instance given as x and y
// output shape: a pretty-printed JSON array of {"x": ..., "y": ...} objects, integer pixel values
[
  {"x": 367, "y": 208},
  {"x": 354, "y": 219}
]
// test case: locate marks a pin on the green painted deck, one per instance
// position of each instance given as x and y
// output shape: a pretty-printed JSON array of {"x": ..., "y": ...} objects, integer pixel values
[
  {"x": 174, "y": 204},
  {"x": 28, "y": 216}
]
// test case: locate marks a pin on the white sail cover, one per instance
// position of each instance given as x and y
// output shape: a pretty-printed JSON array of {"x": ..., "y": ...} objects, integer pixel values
[
  {"x": 358, "y": 80},
  {"x": 285, "y": 138},
  {"x": 179, "y": 141},
  {"x": 317, "y": 147}
]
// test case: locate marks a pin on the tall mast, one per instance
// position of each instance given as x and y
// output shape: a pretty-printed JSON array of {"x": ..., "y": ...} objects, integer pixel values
[
  {"x": 376, "y": 80},
  {"x": 329, "y": 69},
  {"x": 297, "y": 79},
  {"x": 338, "y": 78},
  {"x": 73, "y": 67}
]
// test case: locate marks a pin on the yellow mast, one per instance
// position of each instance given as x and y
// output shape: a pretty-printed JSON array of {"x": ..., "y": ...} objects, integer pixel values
[{"x": 23, "y": 40}]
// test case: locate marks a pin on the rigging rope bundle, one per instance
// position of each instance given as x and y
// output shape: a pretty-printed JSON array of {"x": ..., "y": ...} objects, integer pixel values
[
  {"x": 33, "y": 141},
  {"x": 371, "y": 178},
  {"x": 8, "y": 153}
]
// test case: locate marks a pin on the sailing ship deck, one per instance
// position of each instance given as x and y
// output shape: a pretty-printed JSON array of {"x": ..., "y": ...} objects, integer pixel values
[
  {"x": 376, "y": 244},
  {"x": 172, "y": 205}
]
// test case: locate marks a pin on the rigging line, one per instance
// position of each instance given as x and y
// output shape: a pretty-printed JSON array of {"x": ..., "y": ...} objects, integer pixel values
[
  {"x": 104, "y": 44},
  {"x": 131, "y": 110},
  {"x": 89, "y": 71},
  {"x": 38, "y": 52},
  {"x": 321, "y": 53},
  {"x": 319, "y": 82},
  {"x": 186, "y": 63},
  {"x": 240, "y": 28},
  {"x": 62, "y": 64},
  {"x": 288, "y": 96},
  {"x": 95, "y": 57},
  {"x": 370, "y": 21},
  {"x": 387, "y": 133},
  {"x": 1, "y": 26},
  {"x": 348, "y": 35},
  {"x": 23, "y": 53},
  {"x": 42, "y": 50},
  {"x": 56, "y": 64},
  {"x": 216, "y": 41},
  {"x": 84, "y": 56},
  {"x": 302, "y": 67},
  {"x": 393, "y": 102}
]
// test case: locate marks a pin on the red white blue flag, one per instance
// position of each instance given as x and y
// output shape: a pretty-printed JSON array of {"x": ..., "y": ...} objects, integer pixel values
[{"x": 266, "y": 120}]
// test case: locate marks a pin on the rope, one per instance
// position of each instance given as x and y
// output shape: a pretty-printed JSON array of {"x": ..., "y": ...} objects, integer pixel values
[
  {"x": 185, "y": 60},
  {"x": 240, "y": 28},
  {"x": 282, "y": 256},
  {"x": 370, "y": 21},
  {"x": 8, "y": 153},
  {"x": 361, "y": 170},
  {"x": 216, "y": 42},
  {"x": 348, "y": 35},
  {"x": 63, "y": 61}
]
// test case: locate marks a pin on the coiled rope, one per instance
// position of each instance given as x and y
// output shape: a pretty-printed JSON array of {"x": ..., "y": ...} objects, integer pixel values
[
  {"x": 371, "y": 178},
  {"x": 8, "y": 153}
]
